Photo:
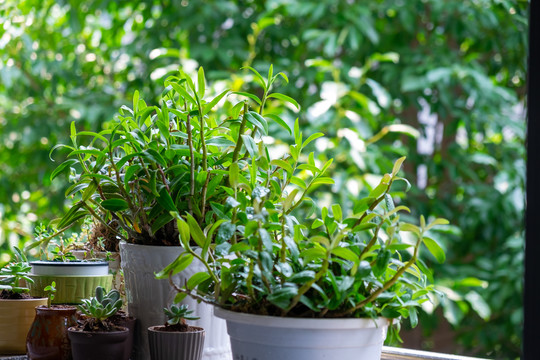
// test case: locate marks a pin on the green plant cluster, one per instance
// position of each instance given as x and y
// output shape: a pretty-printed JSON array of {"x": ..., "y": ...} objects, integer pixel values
[
  {"x": 385, "y": 61},
  {"x": 155, "y": 160}
]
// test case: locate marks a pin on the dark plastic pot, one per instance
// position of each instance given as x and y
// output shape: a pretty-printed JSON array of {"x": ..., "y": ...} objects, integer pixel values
[
  {"x": 86, "y": 345},
  {"x": 167, "y": 345},
  {"x": 129, "y": 323},
  {"x": 48, "y": 335}
]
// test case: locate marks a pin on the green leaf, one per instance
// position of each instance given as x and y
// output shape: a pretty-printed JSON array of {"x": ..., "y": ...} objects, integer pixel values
[
  {"x": 196, "y": 232},
  {"x": 479, "y": 305},
  {"x": 282, "y": 164},
  {"x": 283, "y": 296},
  {"x": 435, "y": 249},
  {"x": 258, "y": 77},
  {"x": 336, "y": 210},
  {"x": 251, "y": 96},
  {"x": 346, "y": 254},
  {"x": 165, "y": 200},
  {"x": 62, "y": 167},
  {"x": 323, "y": 180},
  {"x": 233, "y": 175},
  {"x": 214, "y": 102},
  {"x": 284, "y": 98},
  {"x": 261, "y": 120},
  {"x": 298, "y": 182},
  {"x": 256, "y": 122},
  {"x": 250, "y": 145},
  {"x": 183, "y": 93},
  {"x": 409, "y": 227},
  {"x": 438, "y": 221},
  {"x": 183, "y": 229},
  {"x": 179, "y": 264},
  {"x": 311, "y": 138},
  {"x": 115, "y": 204},
  {"x": 397, "y": 165},
  {"x": 201, "y": 84},
  {"x": 280, "y": 121},
  {"x": 197, "y": 279}
]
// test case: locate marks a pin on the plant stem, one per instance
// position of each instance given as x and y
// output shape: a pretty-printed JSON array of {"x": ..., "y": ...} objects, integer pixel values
[
  {"x": 192, "y": 165},
  {"x": 239, "y": 142}
]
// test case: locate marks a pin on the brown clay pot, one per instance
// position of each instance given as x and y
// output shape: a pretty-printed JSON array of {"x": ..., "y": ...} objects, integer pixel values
[
  {"x": 48, "y": 338},
  {"x": 88, "y": 345}
]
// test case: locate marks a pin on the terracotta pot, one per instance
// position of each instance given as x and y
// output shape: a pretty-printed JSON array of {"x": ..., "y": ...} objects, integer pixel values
[
  {"x": 166, "y": 345},
  {"x": 48, "y": 338},
  {"x": 88, "y": 345},
  {"x": 16, "y": 316}
]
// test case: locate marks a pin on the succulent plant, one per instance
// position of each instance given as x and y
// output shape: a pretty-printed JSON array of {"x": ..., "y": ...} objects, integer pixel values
[
  {"x": 14, "y": 272},
  {"x": 102, "y": 306},
  {"x": 176, "y": 314}
]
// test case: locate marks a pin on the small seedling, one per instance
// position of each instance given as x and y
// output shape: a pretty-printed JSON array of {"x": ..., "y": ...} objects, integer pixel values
[{"x": 51, "y": 291}]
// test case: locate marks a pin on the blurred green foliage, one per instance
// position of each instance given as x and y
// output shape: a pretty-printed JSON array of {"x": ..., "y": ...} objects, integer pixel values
[{"x": 442, "y": 82}]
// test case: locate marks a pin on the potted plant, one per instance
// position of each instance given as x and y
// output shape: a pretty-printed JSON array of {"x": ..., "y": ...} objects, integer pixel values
[
  {"x": 16, "y": 305},
  {"x": 75, "y": 279},
  {"x": 176, "y": 339},
  {"x": 297, "y": 287},
  {"x": 158, "y": 160},
  {"x": 96, "y": 336},
  {"x": 48, "y": 337}
]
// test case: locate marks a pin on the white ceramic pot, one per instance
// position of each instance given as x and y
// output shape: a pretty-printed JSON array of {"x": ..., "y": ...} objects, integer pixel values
[
  {"x": 147, "y": 296},
  {"x": 271, "y": 337}
]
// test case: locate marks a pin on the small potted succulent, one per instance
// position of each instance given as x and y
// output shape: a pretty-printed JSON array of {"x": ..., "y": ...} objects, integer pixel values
[
  {"x": 75, "y": 279},
  {"x": 16, "y": 305},
  {"x": 299, "y": 286},
  {"x": 176, "y": 339},
  {"x": 48, "y": 336},
  {"x": 96, "y": 336}
]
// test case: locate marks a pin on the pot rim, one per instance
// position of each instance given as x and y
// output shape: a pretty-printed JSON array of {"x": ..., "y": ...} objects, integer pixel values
[
  {"x": 24, "y": 300},
  {"x": 155, "y": 328},
  {"x": 70, "y": 263},
  {"x": 300, "y": 323}
]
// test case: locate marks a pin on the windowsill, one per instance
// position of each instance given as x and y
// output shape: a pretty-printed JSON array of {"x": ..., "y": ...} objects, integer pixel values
[
  {"x": 389, "y": 353},
  {"x": 393, "y": 353}
]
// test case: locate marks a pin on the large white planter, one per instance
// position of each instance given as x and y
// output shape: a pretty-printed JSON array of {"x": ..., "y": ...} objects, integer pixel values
[
  {"x": 270, "y": 337},
  {"x": 147, "y": 296}
]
